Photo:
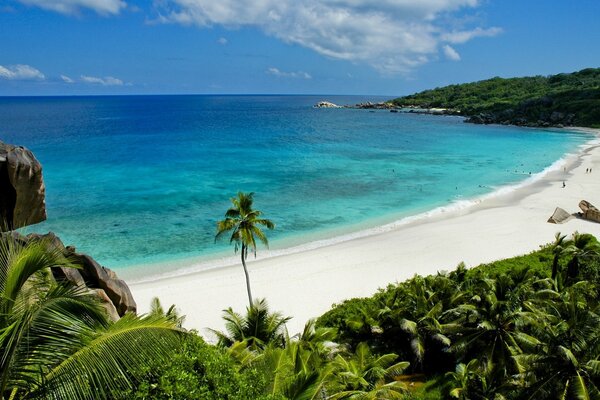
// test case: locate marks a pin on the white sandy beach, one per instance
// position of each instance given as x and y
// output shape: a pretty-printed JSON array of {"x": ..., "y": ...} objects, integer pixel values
[{"x": 305, "y": 284}]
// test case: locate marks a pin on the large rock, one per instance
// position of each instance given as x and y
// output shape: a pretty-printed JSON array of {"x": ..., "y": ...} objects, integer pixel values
[
  {"x": 22, "y": 192},
  {"x": 326, "y": 104},
  {"x": 97, "y": 276},
  {"x": 102, "y": 281}
]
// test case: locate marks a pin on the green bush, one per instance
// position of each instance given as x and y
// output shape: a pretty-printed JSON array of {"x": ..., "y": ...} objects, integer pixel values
[{"x": 200, "y": 371}]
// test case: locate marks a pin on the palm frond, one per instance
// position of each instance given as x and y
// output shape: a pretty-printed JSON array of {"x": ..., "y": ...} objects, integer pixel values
[{"x": 110, "y": 358}]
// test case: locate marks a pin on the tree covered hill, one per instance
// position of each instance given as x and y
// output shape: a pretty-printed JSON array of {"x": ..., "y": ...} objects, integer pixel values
[{"x": 555, "y": 100}]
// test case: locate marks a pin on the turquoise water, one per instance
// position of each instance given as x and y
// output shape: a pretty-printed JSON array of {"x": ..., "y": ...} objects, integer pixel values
[{"x": 143, "y": 179}]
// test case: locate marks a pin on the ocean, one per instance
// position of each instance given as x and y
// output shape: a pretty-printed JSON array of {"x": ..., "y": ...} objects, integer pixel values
[{"x": 138, "y": 182}]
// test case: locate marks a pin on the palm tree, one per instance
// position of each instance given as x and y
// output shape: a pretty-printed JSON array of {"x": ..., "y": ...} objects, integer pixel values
[
  {"x": 472, "y": 381},
  {"x": 559, "y": 247},
  {"x": 462, "y": 379},
  {"x": 365, "y": 376},
  {"x": 243, "y": 222},
  {"x": 259, "y": 327},
  {"x": 293, "y": 372},
  {"x": 172, "y": 313},
  {"x": 581, "y": 247},
  {"x": 584, "y": 247},
  {"x": 491, "y": 326},
  {"x": 564, "y": 362},
  {"x": 57, "y": 341}
]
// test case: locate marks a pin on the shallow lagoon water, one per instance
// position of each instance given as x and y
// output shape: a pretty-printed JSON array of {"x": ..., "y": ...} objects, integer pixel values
[{"x": 136, "y": 180}]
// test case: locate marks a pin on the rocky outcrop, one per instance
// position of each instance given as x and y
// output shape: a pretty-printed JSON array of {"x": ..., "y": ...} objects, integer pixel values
[
  {"x": 541, "y": 112},
  {"x": 374, "y": 106},
  {"x": 103, "y": 282},
  {"x": 22, "y": 202},
  {"x": 22, "y": 192},
  {"x": 326, "y": 104},
  {"x": 510, "y": 117}
]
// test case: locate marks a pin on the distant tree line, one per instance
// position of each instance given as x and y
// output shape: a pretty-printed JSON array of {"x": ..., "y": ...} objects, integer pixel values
[{"x": 568, "y": 99}]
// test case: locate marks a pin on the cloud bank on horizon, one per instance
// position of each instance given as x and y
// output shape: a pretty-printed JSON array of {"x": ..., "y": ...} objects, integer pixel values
[
  {"x": 23, "y": 72},
  {"x": 392, "y": 36}
]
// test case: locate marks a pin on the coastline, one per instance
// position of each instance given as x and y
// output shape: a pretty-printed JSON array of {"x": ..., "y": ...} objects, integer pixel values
[{"x": 304, "y": 281}]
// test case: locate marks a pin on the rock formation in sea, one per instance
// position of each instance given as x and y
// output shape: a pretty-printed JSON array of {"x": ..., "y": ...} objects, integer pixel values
[
  {"x": 22, "y": 203},
  {"x": 326, "y": 104},
  {"x": 22, "y": 191}
]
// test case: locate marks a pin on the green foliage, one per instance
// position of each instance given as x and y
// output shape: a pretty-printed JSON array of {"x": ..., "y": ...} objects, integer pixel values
[
  {"x": 504, "y": 330},
  {"x": 521, "y": 100},
  {"x": 258, "y": 328},
  {"x": 435, "y": 388},
  {"x": 57, "y": 342},
  {"x": 199, "y": 371}
]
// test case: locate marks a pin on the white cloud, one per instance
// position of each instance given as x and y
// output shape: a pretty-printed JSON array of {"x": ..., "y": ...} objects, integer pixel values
[
  {"x": 390, "y": 35},
  {"x": 450, "y": 53},
  {"x": 20, "y": 72},
  {"x": 299, "y": 74},
  {"x": 66, "y": 79},
  {"x": 222, "y": 41},
  {"x": 107, "y": 81},
  {"x": 458, "y": 37},
  {"x": 104, "y": 7}
]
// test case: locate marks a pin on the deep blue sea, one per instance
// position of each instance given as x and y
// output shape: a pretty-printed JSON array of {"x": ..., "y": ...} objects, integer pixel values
[{"x": 135, "y": 180}]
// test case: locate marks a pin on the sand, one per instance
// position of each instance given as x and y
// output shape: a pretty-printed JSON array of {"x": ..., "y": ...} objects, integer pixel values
[{"x": 305, "y": 284}]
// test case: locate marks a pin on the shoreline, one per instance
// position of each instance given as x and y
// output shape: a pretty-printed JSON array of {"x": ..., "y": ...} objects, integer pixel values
[
  {"x": 192, "y": 265},
  {"x": 202, "y": 294}
]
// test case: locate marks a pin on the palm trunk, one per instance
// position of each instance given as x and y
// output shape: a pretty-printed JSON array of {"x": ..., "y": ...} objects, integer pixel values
[
  {"x": 244, "y": 251},
  {"x": 554, "y": 267}
]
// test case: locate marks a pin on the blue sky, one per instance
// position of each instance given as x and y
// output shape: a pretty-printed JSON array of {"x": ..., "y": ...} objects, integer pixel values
[{"x": 383, "y": 47}]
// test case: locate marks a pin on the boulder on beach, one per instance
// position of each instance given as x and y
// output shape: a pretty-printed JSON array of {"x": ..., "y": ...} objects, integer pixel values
[
  {"x": 22, "y": 191},
  {"x": 113, "y": 292}
]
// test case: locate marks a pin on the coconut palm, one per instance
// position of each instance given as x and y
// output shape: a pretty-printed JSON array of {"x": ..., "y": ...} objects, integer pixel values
[
  {"x": 491, "y": 326},
  {"x": 564, "y": 363},
  {"x": 461, "y": 379},
  {"x": 171, "y": 314},
  {"x": 294, "y": 372},
  {"x": 472, "y": 381},
  {"x": 244, "y": 224},
  {"x": 365, "y": 376},
  {"x": 57, "y": 341},
  {"x": 414, "y": 320},
  {"x": 559, "y": 247},
  {"x": 259, "y": 327},
  {"x": 583, "y": 247}
]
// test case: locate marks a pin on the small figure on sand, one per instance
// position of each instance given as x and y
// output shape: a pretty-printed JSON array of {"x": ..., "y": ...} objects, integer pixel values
[{"x": 564, "y": 184}]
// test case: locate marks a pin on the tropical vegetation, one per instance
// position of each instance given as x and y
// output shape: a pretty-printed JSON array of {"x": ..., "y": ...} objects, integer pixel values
[
  {"x": 57, "y": 342},
  {"x": 244, "y": 224},
  {"x": 522, "y": 328},
  {"x": 562, "y": 99}
]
